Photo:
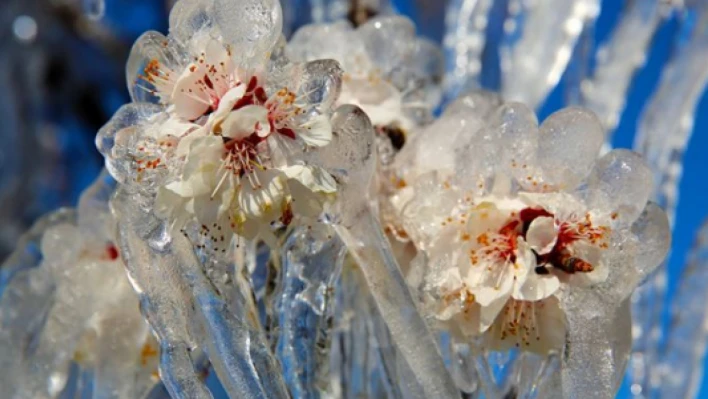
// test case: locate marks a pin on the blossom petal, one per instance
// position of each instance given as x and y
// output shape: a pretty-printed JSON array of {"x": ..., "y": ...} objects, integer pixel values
[
  {"x": 551, "y": 326},
  {"x": 312, "y": 177},
  {"x": 227, "y": 102},
  {"x": 187, "y": 96},
  {"x": 593, "y": 255},
  {"x": 486, "y": 295},
  {"x": 542, "y": 235},
  {"x": 185, "y": 144},
  {"x": 264, "y": 199},
  {"x": 537, "y": 287},
  {"x": 199, "y": 176},
  {"x": 542, "y": 330},
  {"x": 316, "y": 132},
  {"x": 153, "y": 50},
  {"x": 483, "y": 218},
  {"x": 244, "y": 122},
  {"x": 489, "y": 313},
  {"x": 561, "y": 205}
]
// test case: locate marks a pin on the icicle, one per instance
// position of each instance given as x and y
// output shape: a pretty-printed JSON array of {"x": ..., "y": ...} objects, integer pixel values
[
  {"x": 162, "y": 298},
  {"x": 395, "y": 375},
  {"x": 462, "y": 368},
  {"x": 312, "y": 261},
  {"x": 465, "y": 37},
  {"x": 605, "y": 92},
  {"x": 221, "y": 313},
  {"x": 540, "y": 37},
  {"x": 604, "y": 337},
  {"x": 579, "y": 64},
  {"x": 25, "y": 280},
  {"x": 370, "y": 248},
  {"x": 533, "y": 373},
  {"x": 664, "y": 131},
  {"x": 682, "y": 363}
]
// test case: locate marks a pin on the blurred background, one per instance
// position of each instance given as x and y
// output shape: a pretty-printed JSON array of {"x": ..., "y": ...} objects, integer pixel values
[{"x": 62, "y": 76}]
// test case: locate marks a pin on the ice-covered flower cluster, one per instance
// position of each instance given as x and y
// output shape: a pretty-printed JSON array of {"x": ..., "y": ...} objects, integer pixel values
[
  {"x": 393, "y": 76},
  {"x": 70, "y": 296},
  {"x": 388, "y": 72},
  {"x": 524, "y": 217},
  {"x": 482, "y": 223},
  {"x": 220, "y": 121}
]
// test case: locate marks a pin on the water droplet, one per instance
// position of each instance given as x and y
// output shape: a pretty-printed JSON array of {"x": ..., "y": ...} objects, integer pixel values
[
  {"x": 94, "y": 9},
  {"x": 25, "y": 28}
]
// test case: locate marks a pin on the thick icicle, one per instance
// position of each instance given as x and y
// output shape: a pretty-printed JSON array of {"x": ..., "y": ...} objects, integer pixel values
[
  {"x": 664, "y": 131},
  {"x": 350, "y": 157},
  {"x": 618, "y": 60},
  {"x": 87, "y": 334},
  {"x": 540, "y": 37},
  {"x": 162, "y": 296},
  {"x": 465, "y": 37},
  {"x": 408, "y": 328},
  {"x": 602, "y": 338},
  {"x": 124, "y": 338},
  {"x": 312, "y": 261},
  {"x": 682, "y": 363},
  {"x": 225, "y": 325}
]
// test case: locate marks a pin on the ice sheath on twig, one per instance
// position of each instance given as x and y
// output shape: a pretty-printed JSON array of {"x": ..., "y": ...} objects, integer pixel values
[
  {"x": 351, "y": 159},
  {"x": 681, "y": 368},
  {"x": 185, "y": 310},
  {"x": 311, "y": 264},
  {"x": 664, "y": 131}
]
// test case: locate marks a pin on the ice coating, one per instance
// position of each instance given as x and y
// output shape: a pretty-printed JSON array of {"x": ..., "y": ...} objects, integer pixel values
[
  {"x": 220, "y": 121},
  {"x": 517, "y": 244},
  {"x": 240, "y": 142},
  {"x": 390, "y": 73},
  {"x": 89, "y": 312},
  {"x": 244, "y": 171}
]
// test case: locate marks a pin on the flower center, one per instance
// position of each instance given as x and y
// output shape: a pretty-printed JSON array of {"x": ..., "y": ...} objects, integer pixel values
[
  {"x": 569, "y": 232},
  {"x": 496, "y": 247},
  {"x": 281, "y": 107}
]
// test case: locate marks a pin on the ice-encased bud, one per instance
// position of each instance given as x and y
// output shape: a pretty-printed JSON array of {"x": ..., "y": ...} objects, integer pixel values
[
  {"x": 350, "y": 158},
  {"x": 321, "y": 83},
  {"x": 336, "y": 41},
  {"x": 569, "y": 142},
  {"x": 515, "y": 121},
  {"x": 250, "y": 27},
  {"x": 653, "y": 235},
  {"x": 120, "y": 135},
  {"x": 461, "y": 123},
  {"x": 621, "y": 182},
  {"x": 188, "y": 17},
  {"x": 389, "y": 41}
]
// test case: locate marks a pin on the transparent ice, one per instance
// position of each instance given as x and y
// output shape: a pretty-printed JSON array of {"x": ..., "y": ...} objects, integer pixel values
[{"x": 334, "y": 297}]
